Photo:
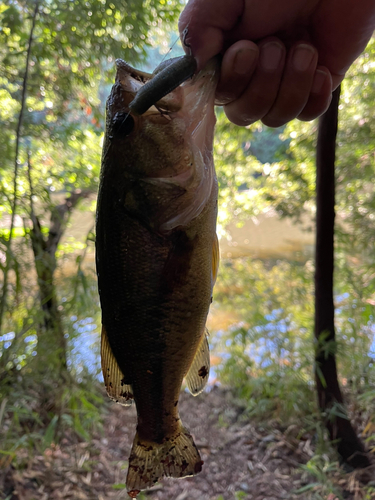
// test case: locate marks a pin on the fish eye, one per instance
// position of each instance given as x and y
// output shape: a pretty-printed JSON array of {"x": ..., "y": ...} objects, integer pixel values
[{"x": 123, "y": 124}]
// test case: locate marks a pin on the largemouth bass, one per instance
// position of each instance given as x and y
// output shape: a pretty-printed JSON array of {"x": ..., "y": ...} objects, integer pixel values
[{"x": 157, "y": 259}]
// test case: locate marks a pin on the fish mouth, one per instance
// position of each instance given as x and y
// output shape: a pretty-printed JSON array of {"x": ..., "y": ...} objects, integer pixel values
[
  {"x": 133, "y": 80},
  {"x": 190, "y": 107}
]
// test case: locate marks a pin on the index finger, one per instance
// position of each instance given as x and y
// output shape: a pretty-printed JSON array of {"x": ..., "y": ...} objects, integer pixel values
[{"x": 206, "y": 20}]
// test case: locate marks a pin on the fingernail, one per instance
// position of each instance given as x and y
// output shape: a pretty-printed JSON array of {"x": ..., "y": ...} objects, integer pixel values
[
  {"x": 318, "y": 81},
  {"x": 270, "y": 56},
  {"x": 302, "y": 57},
  {"x": 243, "y": 60}
]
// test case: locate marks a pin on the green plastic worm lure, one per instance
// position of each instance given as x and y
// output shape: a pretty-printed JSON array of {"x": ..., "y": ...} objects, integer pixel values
[{"x": 167, "y": 77}]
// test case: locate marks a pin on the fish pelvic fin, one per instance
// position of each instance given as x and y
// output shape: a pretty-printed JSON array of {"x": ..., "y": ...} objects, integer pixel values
[
  {"x": 113, "y": 377},
  {"x": 177, "y": 456},
  {"x": 199, "y": 371}
]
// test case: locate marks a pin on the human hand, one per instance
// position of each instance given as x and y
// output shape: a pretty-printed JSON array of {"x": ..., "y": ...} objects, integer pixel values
[{"x": 281, "y": 60}]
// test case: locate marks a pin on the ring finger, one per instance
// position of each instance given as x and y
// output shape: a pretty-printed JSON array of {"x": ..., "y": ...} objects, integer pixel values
[
  {"x": 295, "y": 86},
  {"x": 261, "y": 92}
]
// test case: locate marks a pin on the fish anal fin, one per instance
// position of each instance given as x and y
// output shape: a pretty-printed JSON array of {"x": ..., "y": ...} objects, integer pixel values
[
  {"x": 113, "y": 376},
  {"x": 199, "y": 370},
  {"x": 176, "y": 456},
  {"x": 215, "y": 259}
]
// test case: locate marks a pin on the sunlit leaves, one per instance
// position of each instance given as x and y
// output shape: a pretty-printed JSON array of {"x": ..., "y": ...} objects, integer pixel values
[
  {"x": 73, "y": 49},
  {"x": 74, "y": 46},
  {"x": 269, "y": 353}
]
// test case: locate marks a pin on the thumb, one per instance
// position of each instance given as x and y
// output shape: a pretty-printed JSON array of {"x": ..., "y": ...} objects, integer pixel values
[
  {"x": 202, "y": 44},
  {"x": 202, "y": 24}
]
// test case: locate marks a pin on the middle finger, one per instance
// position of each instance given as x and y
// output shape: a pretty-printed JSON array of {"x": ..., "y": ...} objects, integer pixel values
[
  {"x": 261, "y": 92},
  {"x": 295, "y": 85}
]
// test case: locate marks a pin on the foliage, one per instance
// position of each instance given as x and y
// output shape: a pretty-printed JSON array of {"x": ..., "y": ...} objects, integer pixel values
[
  {"x": 320, "y": 467},
  {"x": 269, "y": 352},
  {"x": 268, "y": 355},
  {"x": 32, "y": 421},
  {"x": 248, "y": 187}
]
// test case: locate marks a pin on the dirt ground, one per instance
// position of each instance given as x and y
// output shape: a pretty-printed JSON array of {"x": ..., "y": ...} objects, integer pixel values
[{"x": 242, "y": 461}]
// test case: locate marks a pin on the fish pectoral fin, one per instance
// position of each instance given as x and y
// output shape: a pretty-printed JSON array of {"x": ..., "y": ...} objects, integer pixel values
[
  {"x": 215, "y": 259},
  {"x": 113, "y": 376},
  {"x": 199, "y": 370},
  {"x": 176, "y": 456}
]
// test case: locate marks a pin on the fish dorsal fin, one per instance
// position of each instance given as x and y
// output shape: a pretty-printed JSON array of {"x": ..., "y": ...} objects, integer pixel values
[
  {"x": 215, "y": 259},
  {"x": 113, "y": 376},
  {"x": 198, "y": 373}
]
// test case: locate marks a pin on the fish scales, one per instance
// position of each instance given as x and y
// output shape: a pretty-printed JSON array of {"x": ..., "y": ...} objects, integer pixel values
[
  {"x": 156, "y": 254},
  {"x": 156, "y": 308}
]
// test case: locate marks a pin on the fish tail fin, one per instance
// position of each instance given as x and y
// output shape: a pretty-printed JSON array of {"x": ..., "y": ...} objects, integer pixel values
[{"x": 177, "y": 456}]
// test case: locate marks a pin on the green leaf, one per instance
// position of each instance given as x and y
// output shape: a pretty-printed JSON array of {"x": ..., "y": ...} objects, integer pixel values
[
  {"x": 49, "y": 435},
  {"x": 307, "y": 487},
  {"x": 119, "y": 486}
]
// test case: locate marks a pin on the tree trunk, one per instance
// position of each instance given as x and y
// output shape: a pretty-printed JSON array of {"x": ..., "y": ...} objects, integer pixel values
[
  {"x": 330, "y": 399},
  {"x": 52, "y": 347}
]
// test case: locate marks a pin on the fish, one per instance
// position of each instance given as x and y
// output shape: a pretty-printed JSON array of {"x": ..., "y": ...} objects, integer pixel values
[{"x": 157, "y": 258}]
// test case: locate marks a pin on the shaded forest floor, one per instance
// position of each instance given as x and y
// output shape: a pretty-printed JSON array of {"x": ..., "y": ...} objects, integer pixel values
[{"x": 242, "y": 461}]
